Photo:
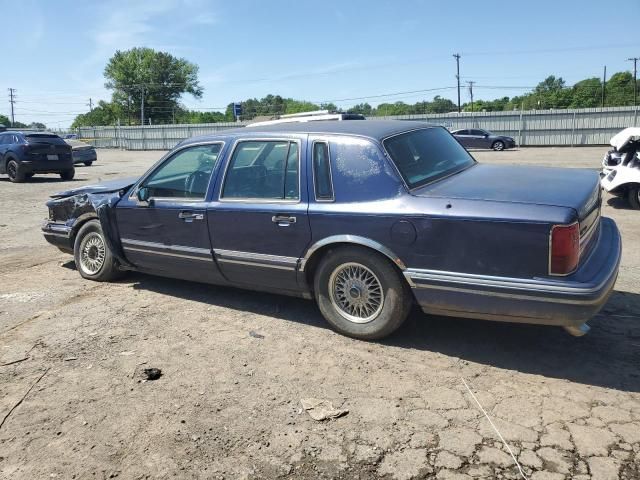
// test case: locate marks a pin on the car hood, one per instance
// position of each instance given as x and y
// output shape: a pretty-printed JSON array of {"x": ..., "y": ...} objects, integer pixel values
[
  {"x": 104, "y": 187},
  {"x": 563, "y": 187}
]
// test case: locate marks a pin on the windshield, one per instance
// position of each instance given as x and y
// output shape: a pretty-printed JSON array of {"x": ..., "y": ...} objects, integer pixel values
[{"x": 428, "y": 154}]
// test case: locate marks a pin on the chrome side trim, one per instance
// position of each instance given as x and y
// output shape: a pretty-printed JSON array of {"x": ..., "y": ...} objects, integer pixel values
[
  {"x": 255, "y": 264},
  {"x": 356, "y": 240},
  {"x": 168, "y": 254},
  {"x": 163, "y": 247},
  {"x": 256, "y": 259}
]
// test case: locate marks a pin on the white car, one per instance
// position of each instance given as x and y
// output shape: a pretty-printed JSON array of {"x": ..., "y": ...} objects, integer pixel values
[{"x": 621, "y": 166}]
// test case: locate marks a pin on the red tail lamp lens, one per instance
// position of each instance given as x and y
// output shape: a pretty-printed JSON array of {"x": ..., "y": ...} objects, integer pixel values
[{"x": 565, "y": 248}]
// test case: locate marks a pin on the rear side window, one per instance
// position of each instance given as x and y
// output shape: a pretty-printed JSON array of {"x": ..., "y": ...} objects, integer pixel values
[
  {"x": 322, "y": 171},
  {"x": 263, "y": 170}
]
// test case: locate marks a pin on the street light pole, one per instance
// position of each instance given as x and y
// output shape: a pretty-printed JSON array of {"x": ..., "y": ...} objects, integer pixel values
[
  {"x": 635, "y": 82},
  {"x": 457, "y": 57}
]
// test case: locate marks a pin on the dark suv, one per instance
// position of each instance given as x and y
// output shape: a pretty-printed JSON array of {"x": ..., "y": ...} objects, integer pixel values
[{"x": 23, "y": 154}]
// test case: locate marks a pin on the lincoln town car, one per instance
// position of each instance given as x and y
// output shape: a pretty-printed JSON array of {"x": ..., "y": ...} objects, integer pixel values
[{"x": 366, "y": 217}]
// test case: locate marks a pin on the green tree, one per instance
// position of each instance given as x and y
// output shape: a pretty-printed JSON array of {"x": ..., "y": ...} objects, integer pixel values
[
  {"x": 104, "y": 113},
  {"x": 4, "y": 120},
  {"x": 157, "y": 77}
]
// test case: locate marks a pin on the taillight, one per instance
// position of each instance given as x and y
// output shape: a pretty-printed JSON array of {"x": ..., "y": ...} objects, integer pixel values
[{"x": 565, "y": 249}]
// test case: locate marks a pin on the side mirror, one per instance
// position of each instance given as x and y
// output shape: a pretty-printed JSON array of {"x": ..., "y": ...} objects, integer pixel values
[
  {"x": 486, "y": 135},
  {"x": 143, "y": 195}
]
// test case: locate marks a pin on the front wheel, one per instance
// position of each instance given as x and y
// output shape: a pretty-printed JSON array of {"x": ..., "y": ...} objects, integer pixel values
[
  {"x": 93, "y": 258},
  {"x": 498, "y": 145},
  {"x": 361, "y": 294},
  {"x": 633, "y": 195},
  {"x": 88, "y": 164}
]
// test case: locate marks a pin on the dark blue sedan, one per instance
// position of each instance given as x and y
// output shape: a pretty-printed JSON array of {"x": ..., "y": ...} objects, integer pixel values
[{"x": 366, "y": 217}]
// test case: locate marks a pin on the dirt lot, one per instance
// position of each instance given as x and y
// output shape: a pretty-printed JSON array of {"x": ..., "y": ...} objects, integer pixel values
[{"x": 236, "y": 365}]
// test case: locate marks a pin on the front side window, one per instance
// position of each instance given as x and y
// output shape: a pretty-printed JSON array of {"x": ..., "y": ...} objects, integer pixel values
[
  {"x": 428, "y": 154},
  {"x": 186, "y": 174},
  {"x": 263, "y": 170},
  {"x": 322, "y": 171}
]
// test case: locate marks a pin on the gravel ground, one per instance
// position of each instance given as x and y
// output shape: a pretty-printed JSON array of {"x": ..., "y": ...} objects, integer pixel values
[{"x": 236, "y": 365}]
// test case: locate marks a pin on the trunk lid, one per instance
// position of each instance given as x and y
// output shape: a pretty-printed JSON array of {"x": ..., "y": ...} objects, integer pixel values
[{"x": 578, "y": 189}]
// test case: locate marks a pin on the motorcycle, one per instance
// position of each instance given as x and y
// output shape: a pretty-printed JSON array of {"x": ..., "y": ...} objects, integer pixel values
[{"x": 620, "y": 174}]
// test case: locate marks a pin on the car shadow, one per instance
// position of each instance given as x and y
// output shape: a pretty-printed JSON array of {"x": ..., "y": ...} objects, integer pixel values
[
  {"x": 619, "y": 203},
  {"x": 37, "y": 179},
  {"x": 609, "y": 356}
]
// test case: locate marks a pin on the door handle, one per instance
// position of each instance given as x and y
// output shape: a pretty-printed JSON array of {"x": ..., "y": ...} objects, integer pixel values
[
  {"x": 283, "y": 220},
  {"x": 189, "y": 217}
]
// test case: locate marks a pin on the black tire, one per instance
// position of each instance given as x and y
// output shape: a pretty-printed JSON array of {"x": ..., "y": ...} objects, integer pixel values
[
  {"x": 98, "y": 263},
  {"x": 29, "y": 175},
  {"x": 633, "y": 195},
  {"x": 68, "y": 174},
  {"x": 392, "y": 309},
  {"x": 498, "y": 145},
  {"x": 88, "y": 164},
  {"x": 16, "y": 175}
]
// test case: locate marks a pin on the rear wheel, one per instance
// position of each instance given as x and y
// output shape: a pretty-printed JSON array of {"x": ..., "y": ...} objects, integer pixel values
[
  {"x": 633, "y": 195},
  {"x": 68, "y": 174},
  {"x": 16, "y": 175},
  {"x": 88, "y": 164},
  {"x": 361, "y": 294},
  {"x": 93, "y": 258},
  {"x": 498, "y": 145}
]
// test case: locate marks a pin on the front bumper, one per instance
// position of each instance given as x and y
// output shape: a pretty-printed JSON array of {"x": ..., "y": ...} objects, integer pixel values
[
  {"x": 563, "y": 301},
  {"x": 59, "y": 235}
]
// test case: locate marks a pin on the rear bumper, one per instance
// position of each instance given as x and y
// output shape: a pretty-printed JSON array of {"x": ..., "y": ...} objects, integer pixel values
[
  {"x": 46, "y": 166},
  {"x": 568, "y": 301},
  {"x": 58, "y": 234},
  {"x": 86, "y": 155}
]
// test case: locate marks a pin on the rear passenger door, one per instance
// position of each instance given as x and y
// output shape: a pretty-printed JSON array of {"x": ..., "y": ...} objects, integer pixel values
[{"x": 259, "y": 225}]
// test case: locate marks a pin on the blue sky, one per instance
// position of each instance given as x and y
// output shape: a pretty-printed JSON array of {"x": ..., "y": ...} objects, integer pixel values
[{"x": 329, "y": 50}]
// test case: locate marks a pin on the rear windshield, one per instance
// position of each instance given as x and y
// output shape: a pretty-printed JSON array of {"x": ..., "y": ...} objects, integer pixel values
[
  {"x": 428, "y": 154},
  {"x": 44, "y": 138}
]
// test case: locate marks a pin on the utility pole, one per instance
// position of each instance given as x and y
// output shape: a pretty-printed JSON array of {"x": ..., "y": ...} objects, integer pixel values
[
  {"x": 635, "y": 82},
  {"x": 142, "y": 106},
  {"x": 457, "y": 57},
  {"x": 604, "y": 84},
  {"x": 12, "y": 101},
  {"x": 90, "y": 104},
  {"x": 471, "y": 93}
]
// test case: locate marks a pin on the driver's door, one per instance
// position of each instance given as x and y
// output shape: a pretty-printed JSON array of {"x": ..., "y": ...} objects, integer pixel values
[{"x": 167, "y": 233}]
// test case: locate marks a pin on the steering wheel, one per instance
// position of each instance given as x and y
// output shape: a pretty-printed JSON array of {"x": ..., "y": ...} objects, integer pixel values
[{"x": 195, "y": 179}]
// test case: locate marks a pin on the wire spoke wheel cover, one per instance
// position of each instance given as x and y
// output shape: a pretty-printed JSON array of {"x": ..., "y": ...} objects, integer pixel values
[
  {"x": 92, "y": 253},
  {"x": 356, "y": 293}
]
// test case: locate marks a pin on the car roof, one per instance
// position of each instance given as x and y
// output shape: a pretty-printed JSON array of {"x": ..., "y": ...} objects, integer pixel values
[{"x": 374, "y": 129}]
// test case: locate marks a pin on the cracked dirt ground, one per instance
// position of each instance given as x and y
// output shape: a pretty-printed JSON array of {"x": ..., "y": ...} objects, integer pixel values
[{"x": 228, "y": 403}]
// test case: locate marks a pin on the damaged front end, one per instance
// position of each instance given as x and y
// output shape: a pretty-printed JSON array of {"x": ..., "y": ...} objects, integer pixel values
[{"x": 69, "y": 210}]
